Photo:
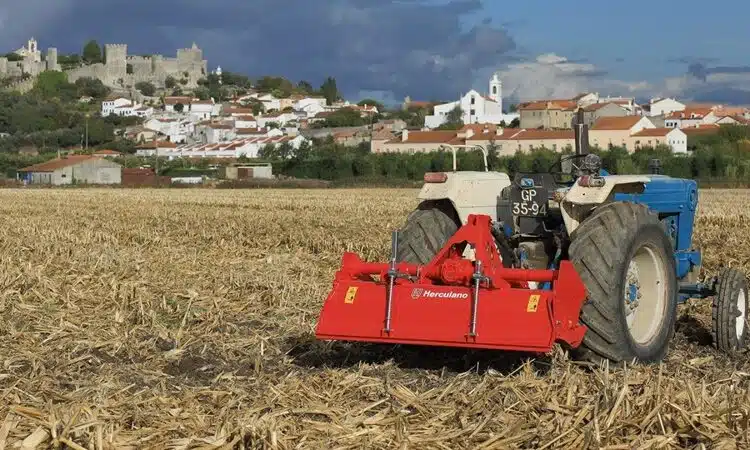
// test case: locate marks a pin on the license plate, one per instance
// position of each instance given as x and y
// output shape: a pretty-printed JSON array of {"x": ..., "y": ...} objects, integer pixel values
[{"x": 529, "y": 202}]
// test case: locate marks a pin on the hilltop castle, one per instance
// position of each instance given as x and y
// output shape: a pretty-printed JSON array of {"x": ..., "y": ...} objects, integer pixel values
[
  {"x": 31, "y": 63},
  {"x": 119, "y": 69}
]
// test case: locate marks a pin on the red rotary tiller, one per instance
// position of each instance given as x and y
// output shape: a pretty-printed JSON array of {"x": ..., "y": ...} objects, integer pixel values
[{"x": 455, "y": 300}]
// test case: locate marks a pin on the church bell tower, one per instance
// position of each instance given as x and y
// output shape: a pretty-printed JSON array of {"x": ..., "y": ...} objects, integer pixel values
[{"x": 496, "y": 90}]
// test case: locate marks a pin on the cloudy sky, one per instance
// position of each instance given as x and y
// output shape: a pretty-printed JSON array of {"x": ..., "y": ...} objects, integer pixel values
[{"x": 427, "y": 49}]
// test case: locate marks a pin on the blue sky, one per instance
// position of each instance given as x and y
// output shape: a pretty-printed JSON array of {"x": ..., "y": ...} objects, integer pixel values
[{"x": 428, "y": 49}]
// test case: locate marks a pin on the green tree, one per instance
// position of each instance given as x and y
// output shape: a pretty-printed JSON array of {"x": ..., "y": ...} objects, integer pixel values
[
  {"x": 146, "y": 88},
  {"x": 235, "y": 79},
  {"x": 53, "y": 84},
  {"x": 13, "y": 57},
  {"x": 453, "y": 120},
  {"x": 371, "y": 102},
  {"x": 91, "y": 87},
  {"x": 344, "y": 117},
  {"x": 329, "y": 90},
  {"x": 202, "y": 93},
  {"x": 170, "y": 82},
  {"x": 92, "y": 52},
  {"x": 305, "y": 87},
  {"x": 179, "y": 107}
]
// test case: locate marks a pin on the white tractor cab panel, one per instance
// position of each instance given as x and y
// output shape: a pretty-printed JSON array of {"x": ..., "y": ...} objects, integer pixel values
[
  {"x": 470, "y": 192},
  {"x": 580, "y": 200}
]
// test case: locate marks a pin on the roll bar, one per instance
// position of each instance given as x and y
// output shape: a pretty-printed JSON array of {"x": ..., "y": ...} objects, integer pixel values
[{"x": 455, "y": 146}]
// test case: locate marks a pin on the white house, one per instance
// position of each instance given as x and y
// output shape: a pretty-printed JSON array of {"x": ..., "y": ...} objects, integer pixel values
[
  {"x": 177, "y": 130},
  {"x": 246, "y": 121},
  {"x": 675, "y": 138},
  {"x": 664, "y": 106},
  {"x": 159, "y": 148},
  {"x": 476, "y": 108},
  {"x": 275, "y": 117},
  {"x": 235, "y": 148},
  {"x": 269, "y": 101},
  {"x": 171, "y": 102},
  {"x": 213, "y": 133},
  {"x": 200, "y": 109},
  {"x": 310, "y": 106},
  {"x": 689, "y": 117},
  {"x": 110, "y": 104}
]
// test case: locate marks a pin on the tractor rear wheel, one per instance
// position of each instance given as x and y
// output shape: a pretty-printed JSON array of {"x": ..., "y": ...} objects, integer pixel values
[
  {"x": 427, "y": 229},
  {"x": 626, "y": 260}
]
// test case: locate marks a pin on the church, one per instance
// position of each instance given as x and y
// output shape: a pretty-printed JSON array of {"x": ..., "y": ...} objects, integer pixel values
[{"x": 476, "y": 107}]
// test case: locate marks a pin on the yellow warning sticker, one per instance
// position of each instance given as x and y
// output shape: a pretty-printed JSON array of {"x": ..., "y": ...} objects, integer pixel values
[
  {"x": 350, "y": 294},
  {"x": 533, "y": 303}
]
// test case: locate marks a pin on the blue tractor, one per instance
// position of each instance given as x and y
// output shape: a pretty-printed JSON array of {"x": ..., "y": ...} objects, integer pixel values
[{"x": 629, "y": 237}]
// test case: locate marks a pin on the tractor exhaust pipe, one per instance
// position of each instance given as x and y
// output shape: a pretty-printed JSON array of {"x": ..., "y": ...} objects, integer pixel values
[{"x": 581, "y": 130}]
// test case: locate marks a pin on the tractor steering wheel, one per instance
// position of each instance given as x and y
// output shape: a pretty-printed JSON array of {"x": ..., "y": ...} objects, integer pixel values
[{"x": 589, "y": 166}]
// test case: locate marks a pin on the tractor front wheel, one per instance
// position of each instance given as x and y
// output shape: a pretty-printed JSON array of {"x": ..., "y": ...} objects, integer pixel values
[
  {"x": 626, "y": 260},
  {"x": 427, "y": 229},
  {"x": 729, "y": 312}
]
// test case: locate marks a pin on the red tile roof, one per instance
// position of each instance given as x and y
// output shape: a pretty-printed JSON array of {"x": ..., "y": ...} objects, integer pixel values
[
  {"x": 58, "y": 163},
  {"x": 157, "y": 144},
  {"x": 703, "y": 129},
  {"x": 654, "y": 132},
  {"x": 616, "y": 123},
  {"x": 107, "y": 152},
  {"x": 176, "y": 100},
  {"x": 689, "y": 112},
  {"x": 547, "y": 105},
  {"x": 426, "y": 137},
  {"x": 597, "y": 106},
  {"x": 524, "y": 134}
]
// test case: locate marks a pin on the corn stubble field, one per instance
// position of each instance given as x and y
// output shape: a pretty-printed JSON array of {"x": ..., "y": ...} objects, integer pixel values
[{"x": 184, "y": 319}]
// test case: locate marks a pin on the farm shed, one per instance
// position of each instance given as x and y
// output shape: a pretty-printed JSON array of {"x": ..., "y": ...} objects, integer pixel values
[
  {"x": 245, "y": 171},
  {"x": 84, "y": 169}
]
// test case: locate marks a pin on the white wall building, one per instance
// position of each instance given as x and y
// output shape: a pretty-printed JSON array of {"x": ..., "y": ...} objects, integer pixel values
[
  {"x": 249, "y": 147},
  {"x": 109, "y": 105},
  {"x": 664, "y": 106},
  {"x": 171, "y": 102},
  {"x": 177, "y": 130},
  {"x": 310, "y": 106},
  {"x": 476, "y": 108},
  {"x": 245, "y": 122},
  {"x": 201, "y": 109},
  {"x": 278, "y": 117}
]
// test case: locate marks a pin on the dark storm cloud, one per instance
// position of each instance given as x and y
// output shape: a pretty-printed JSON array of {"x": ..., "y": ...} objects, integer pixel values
[
  {"x": 408, "y": 47},
  {"x": 687, "y": 60},
  {"x": 698, "y": 68}
]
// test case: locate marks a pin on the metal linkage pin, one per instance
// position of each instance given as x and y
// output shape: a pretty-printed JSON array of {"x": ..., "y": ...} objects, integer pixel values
[
  {"x": 478, "y": 278},
  {"x": 392, "y": 275}
]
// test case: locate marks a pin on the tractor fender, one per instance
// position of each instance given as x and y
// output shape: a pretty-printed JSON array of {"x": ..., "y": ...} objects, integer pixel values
[
  {"x": 469, "y": 192},
  {"x": 579, "y": 201}
]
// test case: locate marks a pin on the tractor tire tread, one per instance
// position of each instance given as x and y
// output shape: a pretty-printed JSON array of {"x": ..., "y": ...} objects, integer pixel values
[
  {"x": 724, "y": 311},
  {"x": 599, "y": 251},
  {"x": 426, "y": 230}
]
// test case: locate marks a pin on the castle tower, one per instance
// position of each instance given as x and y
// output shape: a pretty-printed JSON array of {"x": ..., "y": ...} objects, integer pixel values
[
  {"x": 33, "y": 52},
  {"x": 496, "y": 90},
  {"x": 116, "y": 62},
  {"x": 52, "y": 59}
]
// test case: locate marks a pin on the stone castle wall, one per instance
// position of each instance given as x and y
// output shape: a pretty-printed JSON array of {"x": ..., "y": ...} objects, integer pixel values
[
  {"x": 188, "y": 65},
  {"x": 23, "y": 86}
]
